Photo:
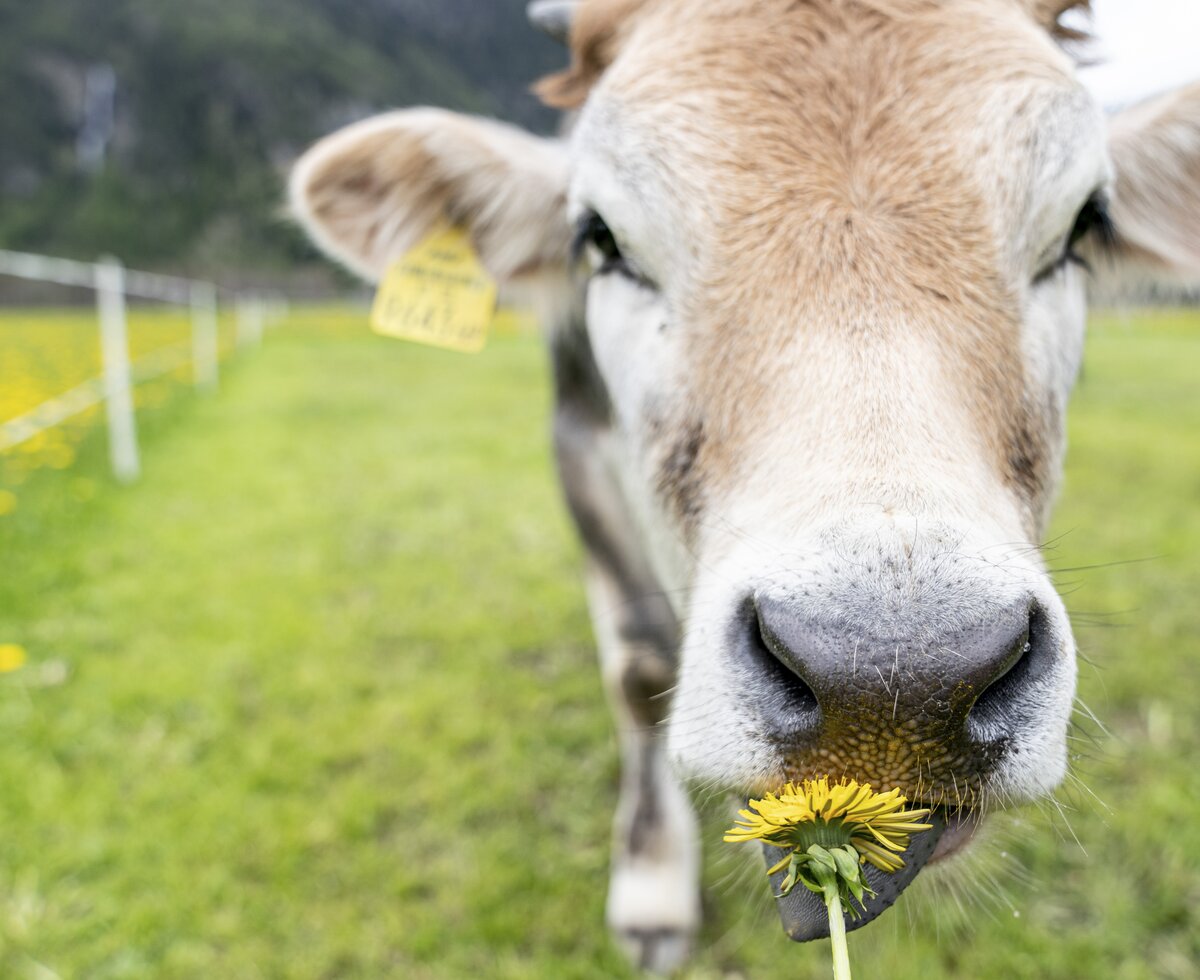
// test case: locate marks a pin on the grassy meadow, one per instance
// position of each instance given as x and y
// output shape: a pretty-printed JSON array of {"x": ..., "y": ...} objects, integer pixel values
[{"x": 316, "y": 698}]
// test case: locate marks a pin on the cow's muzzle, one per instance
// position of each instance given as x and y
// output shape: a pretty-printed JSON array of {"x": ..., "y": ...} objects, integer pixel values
[{"x": 931, "y": 714}]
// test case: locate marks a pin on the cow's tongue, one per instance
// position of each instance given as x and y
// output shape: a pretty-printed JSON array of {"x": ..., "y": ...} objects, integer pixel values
[{"x": 803, "y": 912}]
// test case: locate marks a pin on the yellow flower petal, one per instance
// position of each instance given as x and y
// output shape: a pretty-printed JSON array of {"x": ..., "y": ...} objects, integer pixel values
[
  {"x": 875, "y": 824},
  {"x": 12, "y": 657}
]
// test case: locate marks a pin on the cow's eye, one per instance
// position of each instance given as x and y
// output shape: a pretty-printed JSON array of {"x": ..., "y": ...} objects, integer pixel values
[
  {"x": 1093, "y": 220},
  {"x": 593, "y": 233}
]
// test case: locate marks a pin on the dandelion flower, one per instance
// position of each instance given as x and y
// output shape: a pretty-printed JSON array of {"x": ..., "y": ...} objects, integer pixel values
[
  {"x": 12, "y": 657},
  {"x": 876, "y": 825},
  {"x": 829, "y": 831}
]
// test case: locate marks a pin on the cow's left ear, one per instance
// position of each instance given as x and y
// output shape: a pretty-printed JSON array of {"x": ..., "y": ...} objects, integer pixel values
[
  {"x": 1155, "y": 147},
  {"x": 369, "y": 193}
]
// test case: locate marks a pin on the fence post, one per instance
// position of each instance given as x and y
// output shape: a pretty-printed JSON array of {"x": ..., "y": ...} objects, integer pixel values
[
  {"x": 205, "y": 352},
  {"x": 249, "y": 320},
  {"x": 279, "y": 308},
  {"x": 118, "y": 378}
]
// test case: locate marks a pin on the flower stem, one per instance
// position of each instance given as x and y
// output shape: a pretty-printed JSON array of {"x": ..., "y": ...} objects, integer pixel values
[
  {"x": 827, "y": 877},
  {"x": 837, "y": 935}
]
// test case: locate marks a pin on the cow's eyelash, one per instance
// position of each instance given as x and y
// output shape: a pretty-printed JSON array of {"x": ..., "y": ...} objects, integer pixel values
[
  {"x": 591, "y": 229},
  {"x": 1094, "y": 220}
]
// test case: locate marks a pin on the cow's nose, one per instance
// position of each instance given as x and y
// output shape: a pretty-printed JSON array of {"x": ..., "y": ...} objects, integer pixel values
[{"x": 832, "y": 678}]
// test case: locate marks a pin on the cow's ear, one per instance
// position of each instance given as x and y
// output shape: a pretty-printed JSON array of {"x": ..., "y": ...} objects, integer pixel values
[
  {"x": 370, "y": 192},
  {"x": 1155, "y": 148}
]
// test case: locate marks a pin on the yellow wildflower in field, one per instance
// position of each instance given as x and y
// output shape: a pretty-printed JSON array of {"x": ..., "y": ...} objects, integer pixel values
[
  {"x": 12, "y": 657},
  {"x": 44, "y": 354}
]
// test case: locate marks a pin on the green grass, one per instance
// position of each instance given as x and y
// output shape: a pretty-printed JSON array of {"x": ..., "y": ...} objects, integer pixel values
[{"x": 316, "y": 698}]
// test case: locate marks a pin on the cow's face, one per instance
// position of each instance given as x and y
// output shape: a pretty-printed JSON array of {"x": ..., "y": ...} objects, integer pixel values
[
  {"x": 827, "y": 257},
  {"x": 833, "y": 299}
]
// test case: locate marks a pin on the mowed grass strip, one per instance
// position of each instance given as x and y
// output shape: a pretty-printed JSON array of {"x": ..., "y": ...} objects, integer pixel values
[{"x": 317, "y": 697}]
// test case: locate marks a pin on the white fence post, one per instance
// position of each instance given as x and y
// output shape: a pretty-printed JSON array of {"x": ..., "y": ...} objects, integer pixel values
[
  {"x": 205, "y": 352},
  {"x": 118, "y": 379},
  {"x": 279, "y": 307},
  {"x": 249, "y": 320}
]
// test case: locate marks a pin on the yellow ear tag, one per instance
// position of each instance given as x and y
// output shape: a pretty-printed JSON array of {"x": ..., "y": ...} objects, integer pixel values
[{"x": 438, "y": 294}]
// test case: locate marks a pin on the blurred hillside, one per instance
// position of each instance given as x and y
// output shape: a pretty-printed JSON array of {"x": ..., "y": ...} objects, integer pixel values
[{"x": 159, "y": 130}]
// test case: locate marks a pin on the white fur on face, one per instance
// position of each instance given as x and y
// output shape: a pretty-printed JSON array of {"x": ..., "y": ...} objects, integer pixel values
[
  {"x": 1071, "y": 166},
  {"x": 636, "y": 339},
  {"x": 640, "y": 361}
]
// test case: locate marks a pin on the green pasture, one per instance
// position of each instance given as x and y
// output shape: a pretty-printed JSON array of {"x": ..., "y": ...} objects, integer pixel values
[{"x": 316, "y": 698}]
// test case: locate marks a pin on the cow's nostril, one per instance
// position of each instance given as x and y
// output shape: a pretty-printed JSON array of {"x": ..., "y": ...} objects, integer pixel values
[
  {"x": 786, "y": 699},
  {"x": 1023, "y": 664}
]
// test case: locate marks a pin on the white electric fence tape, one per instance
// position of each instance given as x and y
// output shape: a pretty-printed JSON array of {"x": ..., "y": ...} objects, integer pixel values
[{"x": 112, "y": 283}]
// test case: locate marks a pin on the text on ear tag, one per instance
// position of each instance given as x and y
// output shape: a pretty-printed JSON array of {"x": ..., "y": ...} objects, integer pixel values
[{"x": 439, "y": 293}]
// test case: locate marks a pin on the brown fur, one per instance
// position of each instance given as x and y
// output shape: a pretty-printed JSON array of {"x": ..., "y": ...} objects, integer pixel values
[
  {"x": 601, "y": 26},
  {"x": 678, "y": 471},
  {"x": 596, "y": 36},
  {"x": 843, "y": 223},
  {"x": 1049, "y": 13}
]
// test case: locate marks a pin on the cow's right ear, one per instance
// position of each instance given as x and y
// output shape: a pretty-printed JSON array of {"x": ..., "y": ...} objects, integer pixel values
[
  {"x": 369, "y": 193},
  {"x": 1155, "y": 148}
]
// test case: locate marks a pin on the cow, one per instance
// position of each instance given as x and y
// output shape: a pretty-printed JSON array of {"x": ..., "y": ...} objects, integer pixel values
[{"x": 814, "y": 279}]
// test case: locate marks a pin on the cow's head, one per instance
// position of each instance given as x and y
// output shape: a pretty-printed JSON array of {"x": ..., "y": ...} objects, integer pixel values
[{"x": 829, "y": 259}]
